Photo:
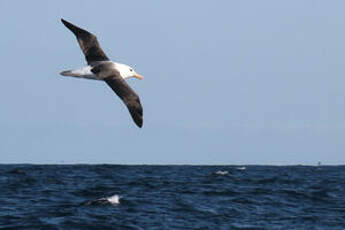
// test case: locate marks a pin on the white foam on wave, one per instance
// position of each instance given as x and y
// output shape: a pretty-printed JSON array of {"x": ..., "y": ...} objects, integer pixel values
[
  {"x": 115, "y": 199},
  {"x": 241, "y": 168},
  {"x": 220, "y": 172}
]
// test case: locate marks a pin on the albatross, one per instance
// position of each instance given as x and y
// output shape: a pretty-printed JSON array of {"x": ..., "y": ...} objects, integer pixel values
[{"x": 101, "y": 68}]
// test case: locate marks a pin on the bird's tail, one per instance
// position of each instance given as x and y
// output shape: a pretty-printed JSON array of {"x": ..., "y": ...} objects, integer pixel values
[
  {"x": 81, "y": 73},
  {"x": 68, "y": 73}
]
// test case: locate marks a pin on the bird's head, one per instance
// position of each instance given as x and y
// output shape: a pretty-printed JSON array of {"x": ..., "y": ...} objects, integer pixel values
[{"x": 127, "y": 71}]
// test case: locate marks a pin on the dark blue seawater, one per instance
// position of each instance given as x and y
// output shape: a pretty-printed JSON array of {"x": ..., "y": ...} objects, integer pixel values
[{"x": 171, "y": 197}]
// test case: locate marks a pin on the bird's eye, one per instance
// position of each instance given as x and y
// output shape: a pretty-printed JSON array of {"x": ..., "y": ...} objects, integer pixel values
[{"x": 131, "y": 70}]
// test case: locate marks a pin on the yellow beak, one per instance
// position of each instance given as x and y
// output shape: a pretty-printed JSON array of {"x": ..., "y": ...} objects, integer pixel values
[{"x": 138, "y": 76}]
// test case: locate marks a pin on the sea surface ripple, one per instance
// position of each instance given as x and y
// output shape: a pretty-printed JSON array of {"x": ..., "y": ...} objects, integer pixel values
[{"x": 171, "y": 197}]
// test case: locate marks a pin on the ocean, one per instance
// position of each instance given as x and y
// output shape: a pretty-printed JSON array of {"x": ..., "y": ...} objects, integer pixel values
[{"x": 171, "y": 197}]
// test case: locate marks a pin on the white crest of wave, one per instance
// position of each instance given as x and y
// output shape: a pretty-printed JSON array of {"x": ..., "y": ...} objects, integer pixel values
[
  {"x": 241, "y": 168},
  {"x": 219, "y": 172},
  {"x": 115, "y": 199}
]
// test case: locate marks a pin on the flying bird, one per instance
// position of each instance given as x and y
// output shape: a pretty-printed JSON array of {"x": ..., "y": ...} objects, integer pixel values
[{"x": 101, "y": 68}]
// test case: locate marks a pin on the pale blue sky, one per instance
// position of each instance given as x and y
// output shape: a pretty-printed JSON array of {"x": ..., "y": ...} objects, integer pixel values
[{"x": 226, "y": 82}]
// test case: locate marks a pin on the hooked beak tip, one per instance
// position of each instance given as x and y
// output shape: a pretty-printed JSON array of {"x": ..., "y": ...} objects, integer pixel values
[{"x": 140, "y": 77}]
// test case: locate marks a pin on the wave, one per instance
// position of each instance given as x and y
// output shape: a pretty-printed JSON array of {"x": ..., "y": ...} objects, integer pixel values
[
  {"x": 17, "y": 171},
  {"x": 241, "y": 168},
  {"x": 221, "y": 173},
  {"x": 111, "y": 200}
]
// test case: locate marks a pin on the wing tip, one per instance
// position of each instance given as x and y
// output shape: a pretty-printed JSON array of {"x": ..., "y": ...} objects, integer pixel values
[
  {"x": 75, "y": 29},
  {"x": 64, "y": 22},
  {"x": 139, "y": 122}
]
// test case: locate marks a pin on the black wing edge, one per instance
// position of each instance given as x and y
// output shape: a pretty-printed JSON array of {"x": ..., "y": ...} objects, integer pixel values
[
  {"x": 88, "y": 43},
  {"x": 75, "y": 29},
  {"x": 129, "y": 97}
]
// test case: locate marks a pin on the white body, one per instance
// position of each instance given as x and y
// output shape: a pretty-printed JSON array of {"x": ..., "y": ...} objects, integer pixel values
[{"x": 85, "y": 72}]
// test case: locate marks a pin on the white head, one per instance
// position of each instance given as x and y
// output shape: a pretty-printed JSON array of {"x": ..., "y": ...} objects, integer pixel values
[{"x": 127, "y": 71}]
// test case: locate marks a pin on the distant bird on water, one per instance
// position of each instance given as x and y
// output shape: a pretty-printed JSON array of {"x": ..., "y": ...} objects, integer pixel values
[{"x": 101, "y": 68}]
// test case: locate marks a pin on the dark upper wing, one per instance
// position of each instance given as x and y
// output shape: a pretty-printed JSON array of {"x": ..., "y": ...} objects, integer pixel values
[
  {"x": 88, "y": 43},
  {"x": 128, "y": 96},
  {"x": 113, "y": 78}
]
